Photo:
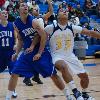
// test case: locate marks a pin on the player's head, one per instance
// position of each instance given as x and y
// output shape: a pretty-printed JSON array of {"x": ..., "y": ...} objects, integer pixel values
[
  {"x": 35, "y": 10},
  {"x": 3, "y": 14},
  {"x": 62, "y": 16},
  {"x": 23, "y": 8}
]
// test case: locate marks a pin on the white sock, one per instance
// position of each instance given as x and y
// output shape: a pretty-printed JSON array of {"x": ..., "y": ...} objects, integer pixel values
[
  {"x": 66, "y": 91},
  {"x": 14, "y": 93},
  {"x": 72, "y": 85},
  {"x": 9, "y": 94}
]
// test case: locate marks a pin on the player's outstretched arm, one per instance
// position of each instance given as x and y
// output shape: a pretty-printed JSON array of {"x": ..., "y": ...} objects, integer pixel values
[
  {"x": 91, "y": 33},
  {"x": 50, "y": 12}
]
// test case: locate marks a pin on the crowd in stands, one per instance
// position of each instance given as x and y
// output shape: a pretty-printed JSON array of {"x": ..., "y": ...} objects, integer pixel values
[
  {"x": 80, "y": 11},
  {"x": 78, "y": 8}
]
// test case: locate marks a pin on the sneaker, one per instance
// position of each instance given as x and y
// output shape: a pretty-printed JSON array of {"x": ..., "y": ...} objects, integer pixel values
[
  {"x": 90, "y": 98},
  {"x": 27, "y": 81},
  {"x": 69, "y": 97},
  {"x": 14, "y": 94},
  {"x": 87, "y": 97},
  {"x": 7, "y": 98},
  {"x": 78, "y": 96},
  {"x": 37, "y": 79}
]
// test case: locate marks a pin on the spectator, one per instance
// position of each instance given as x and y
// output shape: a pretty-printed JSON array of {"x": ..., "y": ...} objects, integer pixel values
[
  {"x": 10, "y": 6},
  {"x": 29, "y": 3},
  {"x": 2, "y": 2},
  {"x": 89, "y": 7},
  {"x": 87, "y": 25},
  {"x": 78, "y": 10},
  {"x": 15, "y": 13},
  {"x": 6, "y": 4},
  {"x": 10, "y": 9},
  {"x": 63, "y": 5},
  {"x": 84, "y": 19},
  {"x": 98, "y": 9}
]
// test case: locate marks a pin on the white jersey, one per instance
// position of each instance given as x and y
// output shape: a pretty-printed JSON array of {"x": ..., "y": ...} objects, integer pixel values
[
  {"x": 61, "y": 46},
  {"x": 62, "y": 39}
]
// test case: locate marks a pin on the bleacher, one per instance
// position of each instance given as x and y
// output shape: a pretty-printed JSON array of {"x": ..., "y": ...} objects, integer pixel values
[{"x": 44, "y": 8}]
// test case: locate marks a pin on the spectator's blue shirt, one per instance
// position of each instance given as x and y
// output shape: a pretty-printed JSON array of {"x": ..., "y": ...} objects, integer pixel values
[{"x": 84, "y": 19}]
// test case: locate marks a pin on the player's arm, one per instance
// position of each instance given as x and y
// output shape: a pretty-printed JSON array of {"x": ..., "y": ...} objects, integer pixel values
[
  {"x": 15, "y": 39},
  {"x": 35, "y": 41},
  {"x": 43, "y": 38},
  {"x": 78, "y": 29},
  {"x": 91, "y": 33},
  {"x": 50, "y": 12},
  {"x": 19, "y": 42}
]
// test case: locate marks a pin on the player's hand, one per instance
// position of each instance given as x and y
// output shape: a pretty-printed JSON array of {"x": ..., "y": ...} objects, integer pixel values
[
  {"x": 36, "y": 57},
  {"x": 29, "y": 50},
  {"x": 14, "y": 57}
]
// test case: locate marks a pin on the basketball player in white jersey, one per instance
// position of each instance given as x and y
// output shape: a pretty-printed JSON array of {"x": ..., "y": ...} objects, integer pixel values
[
  {"x": 61, "y": 46},
  {"x": 68, "y": 78}
]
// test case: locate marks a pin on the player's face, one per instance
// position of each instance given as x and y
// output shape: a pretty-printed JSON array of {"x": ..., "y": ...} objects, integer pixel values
[
  {"x": 23, "y": 8},
  {"x": 63, "y": 17},
  {"x": 4, "y": 15},
  {"x": 35, "y": 11}
]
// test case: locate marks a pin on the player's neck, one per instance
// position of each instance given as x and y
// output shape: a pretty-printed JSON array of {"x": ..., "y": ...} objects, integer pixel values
[
  {"x": 63, "y": 24},
  {"x": 4, "y": 23},
  {"x": 36, "y": 15},
  {"x": 24, "y": 18}
]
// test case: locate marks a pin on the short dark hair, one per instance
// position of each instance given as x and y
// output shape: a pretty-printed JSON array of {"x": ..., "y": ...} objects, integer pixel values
[
  {"x": 63, "y": 9},
  {"x": 69, "y": 15},
  {"x": 21, "y": 1}
]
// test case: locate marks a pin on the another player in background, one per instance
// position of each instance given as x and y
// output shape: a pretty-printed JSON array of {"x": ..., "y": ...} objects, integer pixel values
[{"x": 7, "y": 41}]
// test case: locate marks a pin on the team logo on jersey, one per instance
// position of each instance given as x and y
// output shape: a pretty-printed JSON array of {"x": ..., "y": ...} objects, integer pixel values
[
  {"x": 28, "y": 31},
  {"x": 5, "y": 34}
]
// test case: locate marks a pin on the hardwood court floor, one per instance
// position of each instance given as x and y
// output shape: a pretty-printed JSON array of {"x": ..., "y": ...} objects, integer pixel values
[{"x": 48, "y": 91}]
